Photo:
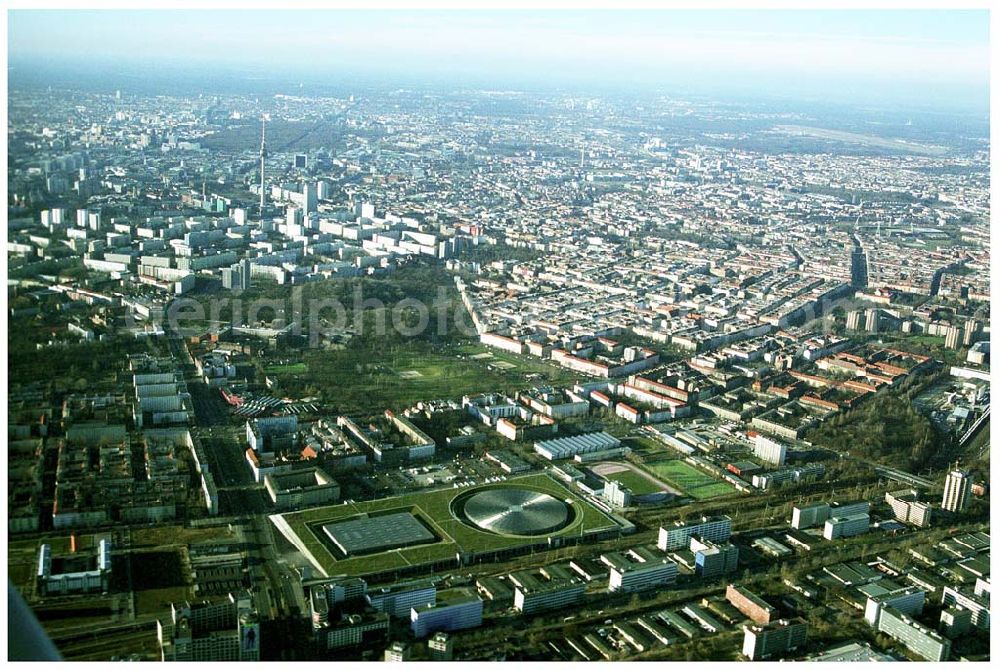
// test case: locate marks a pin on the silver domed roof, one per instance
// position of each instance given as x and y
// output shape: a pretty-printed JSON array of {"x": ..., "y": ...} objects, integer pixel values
[{"x": 512, "y": 511}]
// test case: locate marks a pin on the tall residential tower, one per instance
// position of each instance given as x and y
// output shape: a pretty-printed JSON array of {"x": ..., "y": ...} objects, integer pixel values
[{"x": 957, "y": 488}]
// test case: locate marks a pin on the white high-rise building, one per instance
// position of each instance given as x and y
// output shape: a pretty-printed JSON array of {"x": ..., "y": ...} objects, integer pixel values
[
  {"x": 957, "y": 488},
  {"x": 978, "y": 605},
  {"x": 769, "y": 451}
]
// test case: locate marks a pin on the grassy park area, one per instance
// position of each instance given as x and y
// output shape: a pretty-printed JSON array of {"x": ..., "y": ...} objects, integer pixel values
[
  {"x": 524, "y": 364},
  {"x": 646, "y": 446},
  {"x": 356, "y": 379},
  {"x": 291, "y": 369}
]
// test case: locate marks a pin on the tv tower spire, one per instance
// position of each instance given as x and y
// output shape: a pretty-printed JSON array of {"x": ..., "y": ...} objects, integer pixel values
[{"x": 263, "y": 155}]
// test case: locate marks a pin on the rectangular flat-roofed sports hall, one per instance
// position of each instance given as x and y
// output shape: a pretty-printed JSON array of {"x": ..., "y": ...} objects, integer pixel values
[{"x": 368, "y": 535}]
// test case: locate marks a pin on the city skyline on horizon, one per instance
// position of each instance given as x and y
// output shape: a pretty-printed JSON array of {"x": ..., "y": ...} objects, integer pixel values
[
  {"x": 510, "y": 335},
  {"x": 932, "y": 58}
]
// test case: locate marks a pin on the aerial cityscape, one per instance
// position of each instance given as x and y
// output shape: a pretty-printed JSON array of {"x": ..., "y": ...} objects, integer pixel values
[{"x": 418, "y": 337}]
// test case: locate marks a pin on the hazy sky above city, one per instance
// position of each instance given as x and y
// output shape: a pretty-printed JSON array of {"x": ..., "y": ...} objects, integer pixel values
[{"x": 929, "y": 56}]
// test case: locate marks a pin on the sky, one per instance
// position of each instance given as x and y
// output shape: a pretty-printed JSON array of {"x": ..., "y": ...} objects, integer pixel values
[{"x": 933, "y": 56}]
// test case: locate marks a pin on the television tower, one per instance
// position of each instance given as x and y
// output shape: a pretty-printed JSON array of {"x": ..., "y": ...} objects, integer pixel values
[{"x": 263, "y": 156}]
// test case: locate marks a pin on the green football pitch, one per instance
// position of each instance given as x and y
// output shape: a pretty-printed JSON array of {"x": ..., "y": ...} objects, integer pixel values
[{"x": 692, "y": 481}]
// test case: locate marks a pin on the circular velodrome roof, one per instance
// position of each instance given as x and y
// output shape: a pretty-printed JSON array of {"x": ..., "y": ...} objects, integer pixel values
[{"x": 511, "y": 511}]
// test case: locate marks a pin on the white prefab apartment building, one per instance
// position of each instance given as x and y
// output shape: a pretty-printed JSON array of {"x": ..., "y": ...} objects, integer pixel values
[
  {"x": 678, "y": 536},
  {"x": 643, "y": 576},
  {"x": 807, "y": 516},
  {"x": 908, "y": 600},
  {"x": 846, "y": 526},
  {"x": 777, "y": 637},
  {"x": 458, "y": 613},
  {"x": 769, "y": 451},
  {"x": 978, "y": 605},
  {"x": 398, "y": 599},
  {"x": 547, "y": 597}
]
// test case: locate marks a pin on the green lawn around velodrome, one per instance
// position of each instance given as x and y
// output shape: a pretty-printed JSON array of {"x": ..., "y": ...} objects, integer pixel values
[{"x": 434, "y": 509}]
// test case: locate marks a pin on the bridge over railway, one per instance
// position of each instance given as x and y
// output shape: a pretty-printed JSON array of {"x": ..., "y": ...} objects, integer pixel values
[
  {"x": 971, "y": 433},
  {"x": 904, "y": 477}
]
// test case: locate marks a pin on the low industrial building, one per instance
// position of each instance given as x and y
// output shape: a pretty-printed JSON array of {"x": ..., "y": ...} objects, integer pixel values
[{"x": 851, "y": 652}]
